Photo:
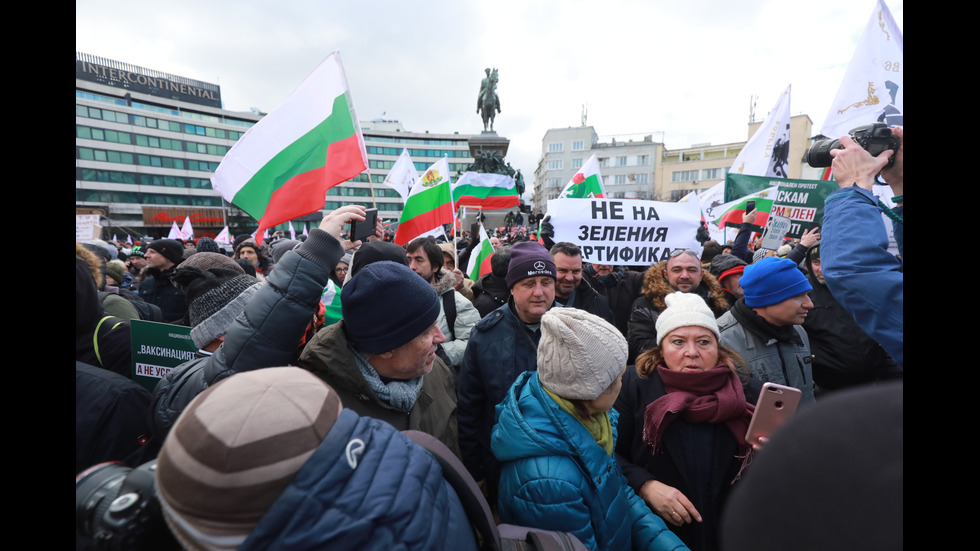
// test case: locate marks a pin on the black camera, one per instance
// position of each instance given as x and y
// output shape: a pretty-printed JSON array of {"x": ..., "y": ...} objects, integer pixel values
[
  {"x": 874, "y": 138},
  {"x": 117, "y": 507}
]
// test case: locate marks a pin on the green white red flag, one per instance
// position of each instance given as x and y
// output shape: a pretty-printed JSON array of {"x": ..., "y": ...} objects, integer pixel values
[
  {"x": 429, "y": 205},
  {"x": 586, "y": 183},
  {"x": 283, "y": 166},
  {"x": 485, "y": 191},
  {"x": 733, "y": 211},
  {"x": 479, "y": 263}
]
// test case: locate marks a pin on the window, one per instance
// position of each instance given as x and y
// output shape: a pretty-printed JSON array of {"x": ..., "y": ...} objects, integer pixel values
[
  {"x": 642, "y": 178},
  {"x": 603, "y": 161},
  {"x": 554, "y": 181},
  {"x": 555, "y": 147},
  {"x": 684, "y": 175},
  {"x": 621, "y": 161},
  {"x": 578, "y": 146},
  {"x": 713, "y": 173},
  {"x": 576, "y": 163},
  {"x": 642, "y": 159},
  {"x": 554, "y": 165},
  {"x": 620, "y": 179}
]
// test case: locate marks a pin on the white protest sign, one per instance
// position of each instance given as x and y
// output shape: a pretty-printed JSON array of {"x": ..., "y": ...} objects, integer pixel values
[
  {"x": 625, "y": 232},
  {"x": 87, "y": 227},
  {"x": 775, "y": 231}
]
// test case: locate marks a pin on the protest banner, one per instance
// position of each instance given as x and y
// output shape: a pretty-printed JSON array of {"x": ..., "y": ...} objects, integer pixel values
[
  {"x": 625, "y": 232},
  {"x": 799, "y": 200},
  {"x": 775, "y": 232},
  {"x": 158, "y": 348}
]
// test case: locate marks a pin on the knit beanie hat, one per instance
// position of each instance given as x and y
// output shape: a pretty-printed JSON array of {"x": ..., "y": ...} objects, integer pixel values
[
  {"x": 207, "y": 245},
  {"x": 685, "y": 310},
  {"x": 771, "y": 281},
  {"x": 385, "y": 305},
  {"x": 529, "y": 259},
  {"x": 374, "y": 251},
  {"x": 205, "y": 261},
  {"x": 580, "y": 354},
  {"x": 236, "y": 448},
  {"x": 171, "y": 249},
  {"x": 724, "y": 265},
  {"x": 346, "y": 258},
  {"x": 116, "y": 270},
  {"x": 281, "y": 247},
  {"x": 214, "y": 299},
  {"x": 138, "y": 249},
  {"x": 783, "y": 250}
]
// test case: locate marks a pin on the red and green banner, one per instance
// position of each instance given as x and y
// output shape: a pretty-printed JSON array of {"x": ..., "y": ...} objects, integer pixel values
[{"x": 283, "y": 166}]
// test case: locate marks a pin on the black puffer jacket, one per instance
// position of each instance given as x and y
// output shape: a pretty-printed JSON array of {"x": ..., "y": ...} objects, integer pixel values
[{"x": 265, "y": 335}]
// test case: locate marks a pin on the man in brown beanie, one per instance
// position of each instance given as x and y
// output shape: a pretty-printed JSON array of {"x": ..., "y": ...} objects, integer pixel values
[{"x": 502, "y": 345}]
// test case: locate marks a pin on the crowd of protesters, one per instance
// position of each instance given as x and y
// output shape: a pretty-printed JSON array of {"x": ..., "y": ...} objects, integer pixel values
[{"x": 609, "y": 403}]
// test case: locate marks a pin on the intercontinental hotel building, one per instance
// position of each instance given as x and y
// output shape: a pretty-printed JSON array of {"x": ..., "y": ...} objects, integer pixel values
[{"x": 147, "y": 142}]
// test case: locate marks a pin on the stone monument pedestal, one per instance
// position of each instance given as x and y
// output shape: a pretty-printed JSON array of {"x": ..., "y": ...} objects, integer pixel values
[{"x": 488, "y": 142}]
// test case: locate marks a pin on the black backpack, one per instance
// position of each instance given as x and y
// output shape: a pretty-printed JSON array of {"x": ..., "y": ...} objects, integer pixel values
[{"x": 490, "y": 535}]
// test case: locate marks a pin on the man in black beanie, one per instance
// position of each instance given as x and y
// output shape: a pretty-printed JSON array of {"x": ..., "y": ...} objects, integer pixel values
[
  {"x": 162, "y": 256},
  {"x": 502, "y": 345}
]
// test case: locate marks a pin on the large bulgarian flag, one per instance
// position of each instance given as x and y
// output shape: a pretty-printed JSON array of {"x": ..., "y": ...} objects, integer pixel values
[
  {"x": 485, "y": 191},
  {"x": 586, "y": 183},
  {"x": 479, "y": 264},
  {"x": 732, "y": 212},
  {"x": 429, "y": 205},
  {"x": 283, "y": 166}
]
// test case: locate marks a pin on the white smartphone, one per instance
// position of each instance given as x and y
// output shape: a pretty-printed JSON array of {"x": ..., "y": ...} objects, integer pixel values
[{"x": 776, "y": 404}]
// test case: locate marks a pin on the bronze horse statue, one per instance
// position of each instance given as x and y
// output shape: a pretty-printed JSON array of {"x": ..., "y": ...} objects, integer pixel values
[{"x": 488, "y": 102}]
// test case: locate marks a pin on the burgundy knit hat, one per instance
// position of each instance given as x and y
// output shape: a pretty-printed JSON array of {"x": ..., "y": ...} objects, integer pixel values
[{"x": 529, "y": 259}]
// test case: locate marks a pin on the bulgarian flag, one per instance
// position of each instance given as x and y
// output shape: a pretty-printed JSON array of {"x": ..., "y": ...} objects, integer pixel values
[
  {"x": 429, "y": 205},
  {"x": 734, "y": 210},
  {"x": 485, "y": 191},
  {"x": 283, "y": 166},
  {"x": 586, "y": 183},
  {"x": 479, "y": 264}
]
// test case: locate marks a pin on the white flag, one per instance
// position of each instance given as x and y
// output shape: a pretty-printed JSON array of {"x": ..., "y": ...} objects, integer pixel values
[
  {"x": 767, "y": 151},
  {"x": 403, "y": 176},
  {"x": 305, "y": 230},
  {"x": 223, "y": 238},
  {"x": 292, "y": 232},
  {"x": 872, "y": 89},
  {"x": 174, "y": 231},
  {"x": 187, "y": 232}
]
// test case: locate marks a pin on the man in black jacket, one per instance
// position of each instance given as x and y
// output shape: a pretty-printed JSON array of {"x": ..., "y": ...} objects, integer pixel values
[
  {"x": 571, "y": 289},
  {"x": 843, "y": 354}
]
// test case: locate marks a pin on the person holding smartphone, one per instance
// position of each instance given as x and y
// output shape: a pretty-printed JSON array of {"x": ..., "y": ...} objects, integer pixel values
[{"x": 684, "y": 412}]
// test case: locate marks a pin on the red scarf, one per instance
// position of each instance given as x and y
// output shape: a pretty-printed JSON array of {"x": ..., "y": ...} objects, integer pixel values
[{"x": 712, "y": 396}]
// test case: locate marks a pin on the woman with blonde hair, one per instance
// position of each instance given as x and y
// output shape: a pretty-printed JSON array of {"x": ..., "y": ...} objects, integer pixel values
[{"x": 684, "y": 412}]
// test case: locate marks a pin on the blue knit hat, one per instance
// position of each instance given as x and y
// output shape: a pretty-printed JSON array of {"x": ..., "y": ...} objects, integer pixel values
[
  {"x": 386, "y": 305},
  {"x": 771, "y": 281}
]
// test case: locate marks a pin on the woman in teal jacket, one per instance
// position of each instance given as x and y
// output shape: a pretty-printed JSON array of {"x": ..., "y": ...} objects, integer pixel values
[{"x": 555, "y": 436}]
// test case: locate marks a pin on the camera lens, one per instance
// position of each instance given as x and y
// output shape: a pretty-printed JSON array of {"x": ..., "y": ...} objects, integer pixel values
[
  {"x": 818, "y": 155},
  {"x": 95, "y": 489}
]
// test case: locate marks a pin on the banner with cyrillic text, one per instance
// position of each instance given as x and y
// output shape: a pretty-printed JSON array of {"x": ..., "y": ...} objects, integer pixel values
[
  {"x": 625, "y": 232},
  {"x": 799, "y": 200},
  {"x": 158, "y": 348}
]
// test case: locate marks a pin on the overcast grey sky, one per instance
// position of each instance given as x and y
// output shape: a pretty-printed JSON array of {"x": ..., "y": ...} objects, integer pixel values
[{"x": 684, "y": 72}]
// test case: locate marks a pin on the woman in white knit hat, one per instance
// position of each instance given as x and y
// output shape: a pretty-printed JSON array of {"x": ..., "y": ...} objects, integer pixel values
[
  {"x": 684, "y": 411},
  {"x": 555, "y": 436}
]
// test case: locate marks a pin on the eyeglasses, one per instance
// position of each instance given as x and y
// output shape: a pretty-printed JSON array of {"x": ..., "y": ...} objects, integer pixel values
[
  {"x": 678, "y": 252},
  {"x": 339, "y": 269}
]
